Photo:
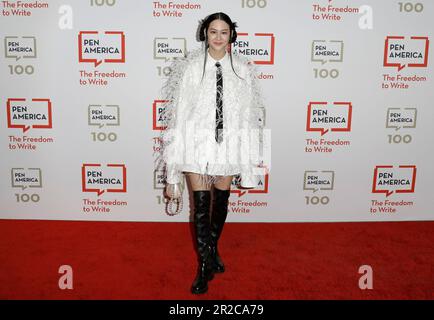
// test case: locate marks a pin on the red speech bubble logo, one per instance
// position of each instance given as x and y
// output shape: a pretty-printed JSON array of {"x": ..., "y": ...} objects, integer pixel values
[
  {"x": 399, "y": 65},
  {"x": 156, "y": 108},
  {"x": 388, "y": 192},
  {"x": 95, "y": 61},
  {"x": 84, "y": 174},
  {"x": 272, "y": 42},
  {"x": 324, "y": 130},
  {"x": 11, "y": 109}
]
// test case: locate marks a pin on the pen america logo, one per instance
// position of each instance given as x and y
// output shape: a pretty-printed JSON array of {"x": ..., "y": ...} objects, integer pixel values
[
  {"x": 26, "y": 178},
  {"x": 169, "y": 48},
  {"x": 404, "y": 53},
  {"x": 389, "y": 179},
  {"x": 157, "y": 114},
  {"x": 159, "y": 179},
  {"x": 327, "y": 51},
  {"x": 20, "y": 47},
  {"x": 324, "y": 117},
  {"x": 99, "y": 179},
  {"x": 401, "y": 52},
  {"x": 398, "y": 118},
  {"x": 157, "y": 125},
  {"x": 318, "y": 180},
  {"x": 25, "y": 114},
  {"x": 28, "y": 114},
  {"x": 103, "y": 115},
  {"x": 95, "y": 47},
  {"x": 259, "y": 47},
  {"x": 100, "y": 116}
]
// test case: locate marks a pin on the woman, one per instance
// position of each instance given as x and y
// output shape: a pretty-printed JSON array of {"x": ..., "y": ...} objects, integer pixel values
[{"x": 211, "y": 115}]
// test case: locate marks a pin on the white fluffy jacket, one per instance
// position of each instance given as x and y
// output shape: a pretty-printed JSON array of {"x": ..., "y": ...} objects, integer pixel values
[{"x": 189, "y": 117}]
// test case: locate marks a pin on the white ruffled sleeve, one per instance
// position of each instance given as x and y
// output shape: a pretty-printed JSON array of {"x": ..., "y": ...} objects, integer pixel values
[
  {"x": 252, "y": 136},
  {"x": 176, "y": 95}
]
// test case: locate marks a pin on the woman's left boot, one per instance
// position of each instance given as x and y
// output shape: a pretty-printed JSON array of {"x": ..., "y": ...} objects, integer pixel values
[
  {"x": 202, "y": 201},
  {"x": 218, "y": 218}
]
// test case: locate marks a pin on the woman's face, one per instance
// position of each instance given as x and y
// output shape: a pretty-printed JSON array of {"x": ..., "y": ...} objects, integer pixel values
[{"x": 218, "y": 35}]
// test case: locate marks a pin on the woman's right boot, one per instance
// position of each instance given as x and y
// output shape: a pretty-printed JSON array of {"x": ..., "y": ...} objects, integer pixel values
[
  {"x": 218, "y": 218},
  {"x": 202, "y": 201}
]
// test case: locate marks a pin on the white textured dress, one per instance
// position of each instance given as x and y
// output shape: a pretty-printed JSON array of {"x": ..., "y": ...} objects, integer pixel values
[{"x": 189, "y": 117}]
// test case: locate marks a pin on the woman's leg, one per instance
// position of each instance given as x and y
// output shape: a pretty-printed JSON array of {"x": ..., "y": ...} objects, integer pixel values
[
  {"x": 221, "y": 194},
  {"x": 224, "y": 183},
  {"x": 198, "y": 182},
  {"x": 202, "y": 202}
]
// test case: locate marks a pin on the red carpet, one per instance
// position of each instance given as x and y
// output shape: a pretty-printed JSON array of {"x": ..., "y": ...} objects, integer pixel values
[{"x": 124, "y": 260}]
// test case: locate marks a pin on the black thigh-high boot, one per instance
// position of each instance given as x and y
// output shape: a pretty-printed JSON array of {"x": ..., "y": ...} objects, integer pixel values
[
  {"x": 218, "y": 218},
  {"x": 202, "y": 201}
]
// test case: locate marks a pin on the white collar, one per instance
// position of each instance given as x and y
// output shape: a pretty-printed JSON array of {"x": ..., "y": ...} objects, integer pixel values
[{"x": 214, "y": 61}]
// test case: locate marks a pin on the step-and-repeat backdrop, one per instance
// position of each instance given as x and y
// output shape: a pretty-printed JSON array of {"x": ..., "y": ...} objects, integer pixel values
[{"x": 348, "y": 87}]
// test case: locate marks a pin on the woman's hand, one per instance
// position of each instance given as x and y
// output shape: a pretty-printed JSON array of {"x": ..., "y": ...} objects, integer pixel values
[{"x": 174, "y": 191}]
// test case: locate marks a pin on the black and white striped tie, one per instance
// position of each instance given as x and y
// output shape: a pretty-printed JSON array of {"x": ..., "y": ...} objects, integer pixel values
[{"x": 219, "y": 104}]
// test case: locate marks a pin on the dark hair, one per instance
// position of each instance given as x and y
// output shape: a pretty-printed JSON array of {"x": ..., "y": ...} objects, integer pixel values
[{"x": 203, "y": 34}]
